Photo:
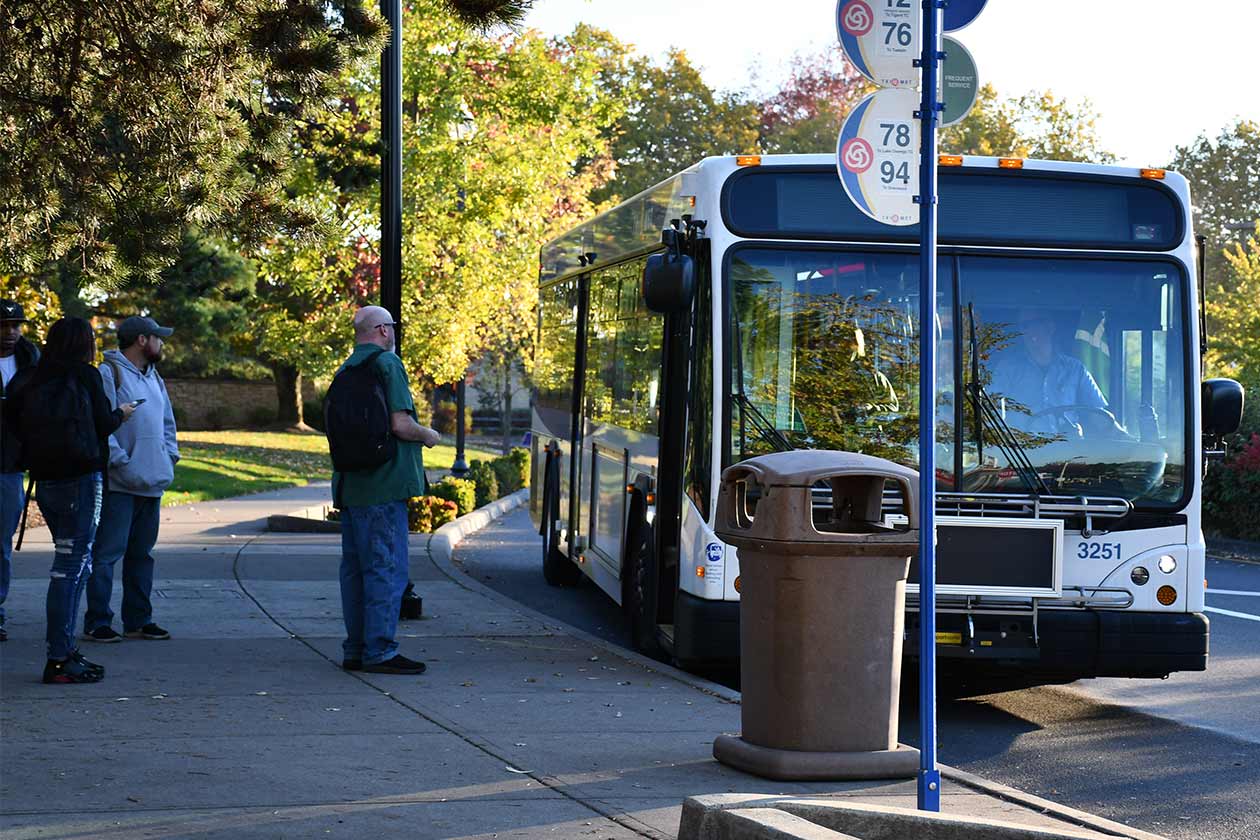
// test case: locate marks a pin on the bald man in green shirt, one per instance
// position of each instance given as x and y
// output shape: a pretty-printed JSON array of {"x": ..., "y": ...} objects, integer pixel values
[{"x": 374, "y": 563}]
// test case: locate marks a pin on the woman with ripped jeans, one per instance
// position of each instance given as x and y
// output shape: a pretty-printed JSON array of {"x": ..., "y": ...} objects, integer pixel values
[{"x": 63, "y": 422}]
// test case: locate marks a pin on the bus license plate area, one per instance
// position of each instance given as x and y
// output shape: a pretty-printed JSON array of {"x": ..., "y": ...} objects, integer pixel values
[{"x": 995, "y": 556}]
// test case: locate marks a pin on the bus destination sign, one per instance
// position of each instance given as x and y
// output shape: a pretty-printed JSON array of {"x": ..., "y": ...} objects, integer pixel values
[
  {"x": 877, "y": 156},
  {"x": 881, "y": 39}
]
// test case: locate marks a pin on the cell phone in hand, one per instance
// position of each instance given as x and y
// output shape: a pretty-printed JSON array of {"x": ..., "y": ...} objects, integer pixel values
[{"x": 135, "y": 403}]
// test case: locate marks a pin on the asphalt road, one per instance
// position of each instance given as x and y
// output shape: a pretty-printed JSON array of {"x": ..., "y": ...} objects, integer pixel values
[{"x": 1179, "y": 757}]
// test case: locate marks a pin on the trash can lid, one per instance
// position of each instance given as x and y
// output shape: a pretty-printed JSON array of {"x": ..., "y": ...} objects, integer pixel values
[{"x": 806, "y": 467}]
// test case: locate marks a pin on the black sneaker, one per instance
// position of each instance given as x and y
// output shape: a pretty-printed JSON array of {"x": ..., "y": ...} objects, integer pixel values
[
  {"x": 69, "y": 671},
  {"x": 398, "y": 665},
  {"x": 89, "y": 665},
  {"x": 148, "y": 631},
  {"x": 105, "y": 634},
  {"x": 352, "y": 664}
]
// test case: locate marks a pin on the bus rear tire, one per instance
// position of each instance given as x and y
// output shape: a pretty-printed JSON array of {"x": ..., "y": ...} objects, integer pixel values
[
  {"x": 558, "y": 570},
  {"x": 638, "y": 598}
]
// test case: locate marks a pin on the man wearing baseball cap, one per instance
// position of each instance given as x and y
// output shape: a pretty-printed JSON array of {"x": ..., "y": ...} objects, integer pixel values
[
  {"x": 16, "y": 353},
  {"x": 142, "y": 460}
]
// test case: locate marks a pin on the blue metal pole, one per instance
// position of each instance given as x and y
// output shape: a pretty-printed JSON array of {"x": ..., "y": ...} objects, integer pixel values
[{"x": 929, "y": 787}]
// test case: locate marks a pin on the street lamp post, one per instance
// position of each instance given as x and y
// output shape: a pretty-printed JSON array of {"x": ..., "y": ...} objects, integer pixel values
[
  {"x": 460, "y": 467},
  {"x": 461, "y": 129}
]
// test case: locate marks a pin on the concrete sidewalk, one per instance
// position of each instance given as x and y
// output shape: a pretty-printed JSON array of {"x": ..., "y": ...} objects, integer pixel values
[{"x": 243, "y": 725}]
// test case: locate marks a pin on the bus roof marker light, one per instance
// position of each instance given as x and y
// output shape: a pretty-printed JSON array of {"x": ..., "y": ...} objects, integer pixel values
[
  {"x": 1152, "y": 174},
  {"x": 1010, "y": 163},
  {"x": 748, "y": 160},
  {"x": 949, "y": 160}
]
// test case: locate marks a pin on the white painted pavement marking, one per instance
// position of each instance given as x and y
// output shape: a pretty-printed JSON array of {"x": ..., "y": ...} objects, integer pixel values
[
  {"x": 1233, "y": 592},
  {"x": 1232, "y": 614}
]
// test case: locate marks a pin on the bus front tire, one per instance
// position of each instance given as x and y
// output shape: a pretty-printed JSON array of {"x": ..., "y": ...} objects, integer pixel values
[{"x": 638, "y": 598}]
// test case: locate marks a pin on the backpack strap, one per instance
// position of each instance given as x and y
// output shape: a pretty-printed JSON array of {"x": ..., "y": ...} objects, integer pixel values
[
  {"x": 26, "y": 507},
  {"x": 117, "y": 377}
]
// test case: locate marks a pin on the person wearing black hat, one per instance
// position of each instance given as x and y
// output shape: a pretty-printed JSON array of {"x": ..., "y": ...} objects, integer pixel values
[
  {"x": 142, "y": 456},
  {"x": 16, "y": 353}
]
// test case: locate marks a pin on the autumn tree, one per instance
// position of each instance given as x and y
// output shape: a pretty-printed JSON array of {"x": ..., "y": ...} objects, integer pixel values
[
  {"x": 1037, "y": 124},
  {"x": 674, "y": 119},
  {"x": 504, "y": 137},
  {"x": 806, "y": 113},
  {"x": 1224, "y": 177}
]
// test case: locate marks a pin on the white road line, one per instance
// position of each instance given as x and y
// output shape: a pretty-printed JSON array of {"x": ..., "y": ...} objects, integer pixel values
[
  {"x": 1232, "y": 614},
  {"x": 1233, "y": 592}
]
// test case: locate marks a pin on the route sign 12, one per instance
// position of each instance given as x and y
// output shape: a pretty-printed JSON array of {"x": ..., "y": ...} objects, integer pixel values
[
  {"x": 881, "y": 39},
  {"x": 960, "y": 83},
  {"x": 877, "y": 156}
]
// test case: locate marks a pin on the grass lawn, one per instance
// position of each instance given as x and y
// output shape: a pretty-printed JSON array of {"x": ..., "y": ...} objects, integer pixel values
[{"x": 215, "y": 465}]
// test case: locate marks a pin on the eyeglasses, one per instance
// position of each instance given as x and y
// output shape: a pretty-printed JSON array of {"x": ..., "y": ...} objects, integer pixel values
[{"x": 393, "y": 324}]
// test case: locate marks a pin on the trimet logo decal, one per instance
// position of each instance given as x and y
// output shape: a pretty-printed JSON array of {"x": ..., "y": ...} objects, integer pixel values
[
  {"x": 857, "y": 18},
  {"x": 713, "y": 552},
  {"x": 857, "y": 155}
]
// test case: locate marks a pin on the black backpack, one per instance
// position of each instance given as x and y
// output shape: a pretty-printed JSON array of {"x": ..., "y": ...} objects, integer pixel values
[
  {"x": 356, "y": 419},
  {"x": 56, "y": 429}
]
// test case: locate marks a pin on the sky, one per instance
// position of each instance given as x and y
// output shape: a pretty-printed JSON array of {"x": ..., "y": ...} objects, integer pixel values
[{"x": 1159, "y": 73}]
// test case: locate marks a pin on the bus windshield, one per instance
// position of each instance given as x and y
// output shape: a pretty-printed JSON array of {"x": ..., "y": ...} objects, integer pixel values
[{"x": 1055, "y": 375}]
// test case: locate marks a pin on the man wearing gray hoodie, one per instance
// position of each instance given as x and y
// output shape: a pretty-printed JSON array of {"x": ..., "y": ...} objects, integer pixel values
[{"x": 142, "y": 460}]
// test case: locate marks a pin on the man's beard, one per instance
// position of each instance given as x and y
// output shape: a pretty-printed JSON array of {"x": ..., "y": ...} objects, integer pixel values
[{"x": 152, "y": 356}]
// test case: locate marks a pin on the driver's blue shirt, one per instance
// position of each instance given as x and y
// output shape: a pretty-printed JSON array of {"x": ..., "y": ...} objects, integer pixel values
[{"x": 1021, "y": 388}]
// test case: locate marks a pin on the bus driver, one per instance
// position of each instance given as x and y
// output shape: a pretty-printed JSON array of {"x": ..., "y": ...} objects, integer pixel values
[{"x": 1041, "y": 390}]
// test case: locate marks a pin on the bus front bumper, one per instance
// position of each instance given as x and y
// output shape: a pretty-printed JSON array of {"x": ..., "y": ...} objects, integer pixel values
[{"x": 1071, "y": 643}]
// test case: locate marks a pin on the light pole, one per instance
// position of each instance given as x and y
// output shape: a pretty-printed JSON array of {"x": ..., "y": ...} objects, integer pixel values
[
  {"x": 461, "y": 129},
  {"x": 391, "y": 166}
]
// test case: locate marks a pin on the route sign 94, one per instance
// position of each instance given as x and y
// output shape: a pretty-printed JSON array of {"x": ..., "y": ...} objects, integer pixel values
[{"x": 878, "y": 156}]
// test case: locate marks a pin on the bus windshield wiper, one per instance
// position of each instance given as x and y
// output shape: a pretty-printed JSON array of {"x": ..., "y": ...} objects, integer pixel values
[
  {"x": 986, "y": 410},
  {"x": 748, "y": 411},
  {"x": 764, "y": 428}
]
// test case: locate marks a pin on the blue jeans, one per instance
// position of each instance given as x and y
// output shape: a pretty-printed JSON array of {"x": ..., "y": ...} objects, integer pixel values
[
  {"x": 72, "y": 509},
  {"x": 129, "y": 530},
  {"x": 374, "y": 571},
  {"x": 12, "y": 497}
]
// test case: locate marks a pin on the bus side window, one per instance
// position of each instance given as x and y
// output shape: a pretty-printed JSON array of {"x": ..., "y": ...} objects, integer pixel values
[{"x": 699, "y": 451}]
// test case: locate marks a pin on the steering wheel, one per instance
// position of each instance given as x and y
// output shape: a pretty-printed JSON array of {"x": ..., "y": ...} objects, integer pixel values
[{"x": 1104, "y": 424}]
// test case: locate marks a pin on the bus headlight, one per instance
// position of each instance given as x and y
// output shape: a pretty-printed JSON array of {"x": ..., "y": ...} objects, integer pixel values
[
  {"x": 1167, "y": 564},
  {"x": 1139, "y": 575}
]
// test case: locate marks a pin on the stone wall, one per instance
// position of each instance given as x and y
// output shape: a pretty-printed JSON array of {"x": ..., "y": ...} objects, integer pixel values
[{"x": 225, "y": 404}]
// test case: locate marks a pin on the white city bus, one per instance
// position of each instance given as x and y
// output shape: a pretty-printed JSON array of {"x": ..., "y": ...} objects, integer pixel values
[{"x": 1071, "y": 423}]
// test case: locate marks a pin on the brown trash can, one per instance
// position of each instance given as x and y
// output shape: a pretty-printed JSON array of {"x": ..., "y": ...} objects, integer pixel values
[{"x": 822, "y": 613}]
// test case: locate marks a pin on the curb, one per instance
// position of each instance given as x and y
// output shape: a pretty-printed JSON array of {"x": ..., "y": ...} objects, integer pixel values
[
  {"x": 1045, "y": 806},
  {"x": 441, "y": 553}
]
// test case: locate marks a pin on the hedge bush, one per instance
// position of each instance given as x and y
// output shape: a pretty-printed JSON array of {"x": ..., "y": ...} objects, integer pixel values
[
  {"x": 425, "y": 514},
  {"x": 461, "y": 491},
  {"x": 519, "y": 455},
  {"x": 482, "y": 474},
  {"x": 1231, "y": 492}
]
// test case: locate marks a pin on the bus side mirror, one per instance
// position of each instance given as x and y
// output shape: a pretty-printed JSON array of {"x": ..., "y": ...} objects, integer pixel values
[
  {"x": 1222, "y": 406},
  {"x": 669, "y": 282}
]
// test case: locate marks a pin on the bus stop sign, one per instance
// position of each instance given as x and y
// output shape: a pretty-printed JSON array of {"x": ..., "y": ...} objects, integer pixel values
[
  {"x": 959, "y": 13},
  {"x": 877, "y": 156},
  {"x": 960, "y": 84},
  {"x": 881, "y": 39}
]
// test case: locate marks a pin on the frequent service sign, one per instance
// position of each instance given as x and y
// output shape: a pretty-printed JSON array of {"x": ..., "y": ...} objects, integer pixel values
[
  {"x": 878, "y": 156},
  {"x": 881, "y": 38}
]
